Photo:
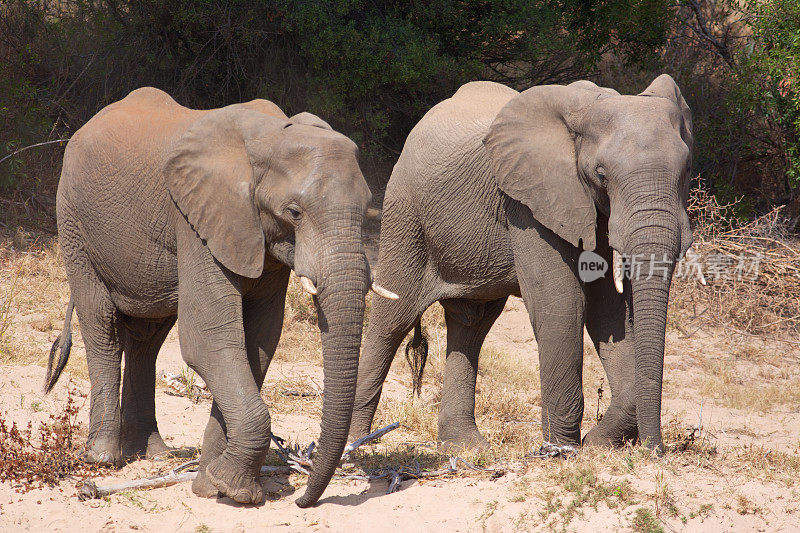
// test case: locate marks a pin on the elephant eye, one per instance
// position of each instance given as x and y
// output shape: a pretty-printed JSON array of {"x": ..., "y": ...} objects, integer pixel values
[
  {"x": 601, "y": 173},
  {"x": 294, "y": 212}
]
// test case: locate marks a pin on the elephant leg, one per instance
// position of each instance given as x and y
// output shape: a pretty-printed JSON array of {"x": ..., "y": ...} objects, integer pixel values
[
  {"x": 546, "y": 267},
  {"x": 389, "y": 323},
  {"x": 142, "y": 339},
  {"x": 468, "y": 323},
  {"x": 609, "y": 322},
  {"x": 210, "y": 319},
  {"x": 402, "y": 268},
  {"x": 263, "y": 320},
  {"x": 238, "y": 409},
  {"x": 99, "y": 323}
]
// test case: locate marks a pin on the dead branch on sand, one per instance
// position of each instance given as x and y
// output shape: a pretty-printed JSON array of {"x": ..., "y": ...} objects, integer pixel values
[
  {"x": 397, "y": 475},
  {"x": 296, "y": 460}
]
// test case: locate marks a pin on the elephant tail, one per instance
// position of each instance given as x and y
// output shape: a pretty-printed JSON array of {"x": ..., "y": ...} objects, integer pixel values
[
  {"x": 417, "y": 356},
  {"x": 61, "y": 345}
]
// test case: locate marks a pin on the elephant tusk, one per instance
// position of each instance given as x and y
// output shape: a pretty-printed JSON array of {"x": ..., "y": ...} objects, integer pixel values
[
  {"x": 616, "y": 269},
  {"x": 308, "y": 285},
  {"x": 380, "y": 291}
]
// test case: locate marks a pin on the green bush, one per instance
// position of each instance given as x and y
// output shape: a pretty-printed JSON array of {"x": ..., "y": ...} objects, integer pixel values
[
  {"x": 770, "y": 67},
  {"x": 371, "y": 69},
  {"x": 737, "y": 63}
]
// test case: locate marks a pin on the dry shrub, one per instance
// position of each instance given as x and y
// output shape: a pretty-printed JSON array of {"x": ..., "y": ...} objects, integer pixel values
[
  {"x": 29, "y": 462},
  {"x": 757, "y": 285},
  {"x": 32, "y": 271}
]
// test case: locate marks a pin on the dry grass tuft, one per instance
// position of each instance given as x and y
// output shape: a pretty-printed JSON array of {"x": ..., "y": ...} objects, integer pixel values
[{"x": 736, "y": 387}]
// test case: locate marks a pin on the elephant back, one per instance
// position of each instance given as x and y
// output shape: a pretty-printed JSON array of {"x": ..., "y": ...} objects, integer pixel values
[
  {"x": 113, "y": 184},
  {"x": 443, "y": 181},
  {"x": 449, "y": 131}
]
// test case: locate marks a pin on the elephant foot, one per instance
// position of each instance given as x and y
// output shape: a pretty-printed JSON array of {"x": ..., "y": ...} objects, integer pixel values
[
  {"x": 102, "y": 450},
  {"x": 239, "y": 484},
  {"x": 614, "y": 430},
  {"x": 137, "y": 444},
  {"x": 597, "y": 436},
  {"x": 453, "y": 442},
  {"x": 203, "y": 487}
]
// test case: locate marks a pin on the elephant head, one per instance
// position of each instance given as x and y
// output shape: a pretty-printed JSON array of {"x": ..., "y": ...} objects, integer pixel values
[
  {"x": 258, "y": 188},
  {"x": 567, "y": 151}
]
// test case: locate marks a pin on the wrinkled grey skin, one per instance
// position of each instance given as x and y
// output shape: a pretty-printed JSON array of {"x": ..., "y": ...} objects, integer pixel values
[
  {"x": 496, "y": 193},
  {"x": 168, "y": 212}
]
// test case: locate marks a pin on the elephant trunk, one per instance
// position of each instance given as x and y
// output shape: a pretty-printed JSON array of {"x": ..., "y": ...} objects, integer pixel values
[
  {"x": 653, "y": 254},
  {"x": 340, "y": 307}
]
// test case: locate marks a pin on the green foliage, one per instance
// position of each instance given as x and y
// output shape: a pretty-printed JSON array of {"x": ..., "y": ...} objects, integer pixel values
[
  {"x": 736, "y": 62},
  {"x": 375, "y": 67},
  {"x": 771, "y": 65},
  {"x": 26, "y": 122},
  {"x": 371, "y": 69}
]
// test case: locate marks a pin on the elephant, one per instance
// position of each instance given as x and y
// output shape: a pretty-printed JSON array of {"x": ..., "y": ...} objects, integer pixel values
[
  {"x": 172, "y": 214},
  {"x": 498, "y": 193}
]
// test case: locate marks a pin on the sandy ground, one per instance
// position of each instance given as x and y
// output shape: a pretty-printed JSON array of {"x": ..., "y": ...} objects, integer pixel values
[{"x": 744, "y": 478}]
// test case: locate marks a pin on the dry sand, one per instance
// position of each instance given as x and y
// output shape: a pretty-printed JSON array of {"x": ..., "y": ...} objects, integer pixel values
[{"x": 739, "y": 488}]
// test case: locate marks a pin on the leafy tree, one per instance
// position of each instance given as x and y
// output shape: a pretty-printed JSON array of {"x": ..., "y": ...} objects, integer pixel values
[
  {"x": 370, "y": 68},
  {"x": 375, "y": 67},
  {"x": 772, "y": 66},
  {"x": 736, "y": 61}
]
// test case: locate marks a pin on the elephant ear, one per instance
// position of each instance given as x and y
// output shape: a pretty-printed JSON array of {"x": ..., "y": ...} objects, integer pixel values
[
  {"x": 665, "y": 87},
  {"x": 532, "y": 152},
  {"x": 209, "y": 175},
  {"x": 309, "y": 119}
]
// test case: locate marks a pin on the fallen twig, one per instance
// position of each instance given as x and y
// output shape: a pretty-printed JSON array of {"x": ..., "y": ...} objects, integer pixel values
[
  {"x": 89, "y": 490},
  {"x": 549, "y": 449},
  {"x": 180, "y": 386},
  {"x": 297, "y": 460},
  {"x": 367, "y": 438}
]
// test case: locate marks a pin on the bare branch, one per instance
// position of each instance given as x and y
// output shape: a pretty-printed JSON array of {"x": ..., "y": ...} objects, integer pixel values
[
  {"x": 297, "y": 461},
  {"x": 367, "y": 438},
  {"x": 33, "y": 146}
]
